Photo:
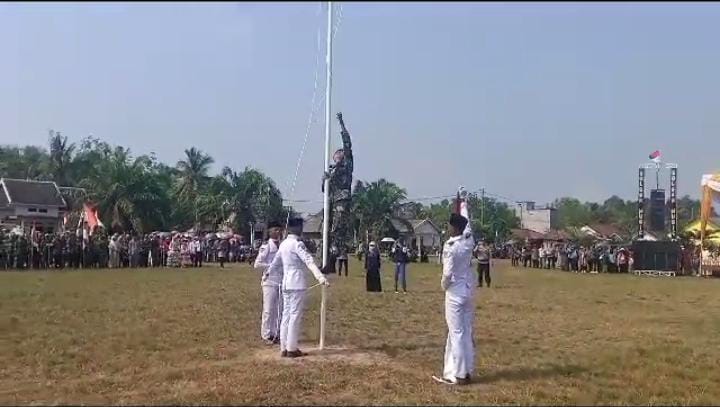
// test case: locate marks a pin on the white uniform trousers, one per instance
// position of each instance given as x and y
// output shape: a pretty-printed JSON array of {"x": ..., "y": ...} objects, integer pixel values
[
  {"x": 293, "y": 307},
  {"x": 459, "y": 348},
  {"x": 272, "y": 312}
]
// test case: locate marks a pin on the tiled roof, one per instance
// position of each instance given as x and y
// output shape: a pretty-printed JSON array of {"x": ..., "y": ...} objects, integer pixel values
[
  {"x": 44, "y": 193},
  {"x": 606, "y": 230},
  {"x": 526, "y": 234}
]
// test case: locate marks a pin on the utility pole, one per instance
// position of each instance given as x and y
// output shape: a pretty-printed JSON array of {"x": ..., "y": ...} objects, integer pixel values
[{"x": 482, "y": 207}]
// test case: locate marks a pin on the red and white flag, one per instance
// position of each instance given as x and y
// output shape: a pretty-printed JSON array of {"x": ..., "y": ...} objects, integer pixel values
[
  {"x": 91, "y": 216},
  {"x": 655, "y": 156}
]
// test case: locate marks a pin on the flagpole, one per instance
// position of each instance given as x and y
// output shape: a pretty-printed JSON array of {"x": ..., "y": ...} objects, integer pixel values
[{"x": 326, "y": 197}]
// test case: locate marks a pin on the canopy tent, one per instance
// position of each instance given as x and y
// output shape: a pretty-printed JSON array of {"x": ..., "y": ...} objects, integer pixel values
[
  {"x": 710, "y": 191},
  {"x": 713, "y": 239},
  {"x": 695, "y": 227}
]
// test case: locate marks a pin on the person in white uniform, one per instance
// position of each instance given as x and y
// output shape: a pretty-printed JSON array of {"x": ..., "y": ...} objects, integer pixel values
[
  {"x": 270, "y": 283},
  {"x": 458, "y": 283},
  {"x": 294, "y": 260}
]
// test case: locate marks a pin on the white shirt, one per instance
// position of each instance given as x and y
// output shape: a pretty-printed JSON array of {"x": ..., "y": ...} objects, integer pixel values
[
  {"x": 265, "y": 257},
  {"x": 293, "y": 259},
  {"x": 458, "y": 277}
]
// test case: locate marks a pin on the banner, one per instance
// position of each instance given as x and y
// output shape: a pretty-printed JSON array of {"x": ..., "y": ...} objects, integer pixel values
[{"x": 710, "y": 191}]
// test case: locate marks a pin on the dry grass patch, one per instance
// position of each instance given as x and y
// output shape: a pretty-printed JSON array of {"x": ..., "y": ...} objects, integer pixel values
[{"x": 192, "y": 337}]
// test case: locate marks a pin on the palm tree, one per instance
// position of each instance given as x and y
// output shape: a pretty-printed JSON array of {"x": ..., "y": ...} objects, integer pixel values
[
  {"x": 128, "y": 192},
  {"x": 193, "y": 173},
  {"x": 252, "y": 196},
  {"x": 61, "y": 155},
  {"x": 375, "y": 205}
]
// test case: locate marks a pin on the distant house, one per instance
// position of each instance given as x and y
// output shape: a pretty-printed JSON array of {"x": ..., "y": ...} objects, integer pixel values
[
  {"x": 415, "y": 233},
  {"x": 418, "y": 233},
  {"x": 527, "y": 235},
  {"x": 602, "y": 231},
  {"x": 537, "y": 219},
  {"x": 312, "y": 227},
  {"x": 26, "y": 203},
  {"x": 536, "y": 239}
]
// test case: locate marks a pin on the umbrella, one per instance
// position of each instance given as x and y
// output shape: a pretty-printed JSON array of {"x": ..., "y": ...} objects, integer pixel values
[{"x": 387, "y": 240}]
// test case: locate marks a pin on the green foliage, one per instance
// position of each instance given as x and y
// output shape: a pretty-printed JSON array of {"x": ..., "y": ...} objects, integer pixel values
[
  {"x": 138, "y": 193},
  {"x": 375, "y": 205}
]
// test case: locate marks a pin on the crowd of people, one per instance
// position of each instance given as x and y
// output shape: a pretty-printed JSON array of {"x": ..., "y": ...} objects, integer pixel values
[
  {"x": 37, "y": 250},
  {"x": 572, "y": 257},
  {"x": 591, "y": 259}
]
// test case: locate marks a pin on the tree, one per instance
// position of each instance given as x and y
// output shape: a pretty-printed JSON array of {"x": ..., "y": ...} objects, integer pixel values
[
  {"x": 491, "y": 217},
  {"x": 61, "y": 156},
  {"x": 252, "y": 197},
  {"x": 193, "y": 174},
  {"x": 128, "y": 192},
  {"x": 688, "y": 210},
  {"x": 375, "y": 205},
  {"x": 438, "y": 213},
  {"x": 571, "y": 212}
]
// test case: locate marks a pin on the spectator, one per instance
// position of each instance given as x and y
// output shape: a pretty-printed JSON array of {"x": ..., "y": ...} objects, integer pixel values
[
  {"x": 482, "y": 253},
  {"x": 372, "y": 267},
  {"x": 400, "y": 256},
  {"x": 622, "y": 261}
]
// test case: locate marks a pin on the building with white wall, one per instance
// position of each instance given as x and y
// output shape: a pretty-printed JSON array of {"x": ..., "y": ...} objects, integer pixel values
[
  {"x": 26, "y": 203},
  {"x": 537, "y": 219}
]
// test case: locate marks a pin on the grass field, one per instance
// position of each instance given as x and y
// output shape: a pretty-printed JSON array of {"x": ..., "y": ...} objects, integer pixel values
[{"x": 181, "y": 337}]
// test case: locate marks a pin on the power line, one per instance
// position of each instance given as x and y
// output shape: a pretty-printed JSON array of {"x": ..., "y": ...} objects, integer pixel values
[
  {"x": 316, "y": 101},
  {"x": 421, "y": 198}
]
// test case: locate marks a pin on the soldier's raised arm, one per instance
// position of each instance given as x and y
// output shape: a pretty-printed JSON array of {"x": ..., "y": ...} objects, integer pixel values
[
  {"x": 347, "y": 142},
  {"x": 465, "y": 213}
]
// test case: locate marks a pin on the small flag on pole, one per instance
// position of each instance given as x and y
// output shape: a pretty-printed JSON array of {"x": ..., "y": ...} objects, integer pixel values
[{"x": 655, "y": 156}]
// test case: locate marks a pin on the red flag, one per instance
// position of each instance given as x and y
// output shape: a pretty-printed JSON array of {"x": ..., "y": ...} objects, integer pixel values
[{"x": 91, "y": 215}]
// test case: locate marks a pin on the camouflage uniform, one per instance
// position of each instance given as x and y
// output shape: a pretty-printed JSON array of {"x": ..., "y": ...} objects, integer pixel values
[
  {"x": 4, "y": 251},
  {"x": 340, "y": 195}
]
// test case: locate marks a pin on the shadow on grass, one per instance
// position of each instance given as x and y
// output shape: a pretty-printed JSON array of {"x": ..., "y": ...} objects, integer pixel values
[
  {"x": 394, "y": 350},
  {"x": 530, "y": 373}
]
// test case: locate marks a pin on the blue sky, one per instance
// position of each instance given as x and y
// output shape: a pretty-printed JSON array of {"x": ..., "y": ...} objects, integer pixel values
[{"x": 531, "y": 101}]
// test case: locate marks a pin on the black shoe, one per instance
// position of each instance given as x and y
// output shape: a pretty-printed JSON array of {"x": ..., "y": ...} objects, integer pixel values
[
  {"x": 284, "y": 354},
  {"x": 295, "y": 354}
]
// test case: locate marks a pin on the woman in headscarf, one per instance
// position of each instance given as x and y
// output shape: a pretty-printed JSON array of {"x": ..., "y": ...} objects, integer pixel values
[{"x": 372, "y": 267}]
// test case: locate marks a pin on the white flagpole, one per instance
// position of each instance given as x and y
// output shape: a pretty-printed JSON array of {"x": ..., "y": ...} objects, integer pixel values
[{"x": 326, "y": 198}]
